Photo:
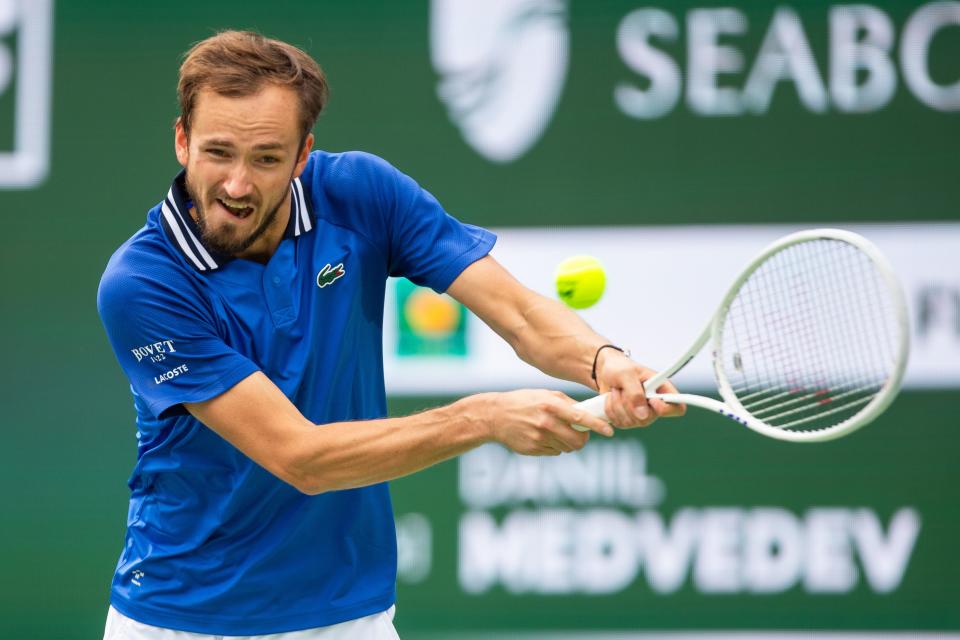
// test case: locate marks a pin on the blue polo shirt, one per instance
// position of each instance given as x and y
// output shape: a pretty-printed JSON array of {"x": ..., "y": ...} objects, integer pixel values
[{"x": 216, "y": 544}]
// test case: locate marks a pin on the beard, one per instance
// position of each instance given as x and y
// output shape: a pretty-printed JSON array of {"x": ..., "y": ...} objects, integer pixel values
[{"x": 227, "y": 240}]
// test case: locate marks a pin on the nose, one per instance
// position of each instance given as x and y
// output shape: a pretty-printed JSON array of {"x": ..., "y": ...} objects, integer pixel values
[{"x": 238, "y": 184}]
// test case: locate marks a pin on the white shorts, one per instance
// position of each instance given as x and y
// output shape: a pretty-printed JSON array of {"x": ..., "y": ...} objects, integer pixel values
[{"x": 378, "y": 626}]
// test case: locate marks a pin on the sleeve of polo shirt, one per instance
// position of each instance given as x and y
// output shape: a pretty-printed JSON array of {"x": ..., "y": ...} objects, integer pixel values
[
  {"x": 165, "y": 338},
  {"x": 426, "y": 244}
]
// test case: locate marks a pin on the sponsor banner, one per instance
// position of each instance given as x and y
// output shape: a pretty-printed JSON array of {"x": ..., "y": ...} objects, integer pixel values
[
  {"x": 26, "y": 53},
  {"x": 502, "y": 65},
  {"x": 695, "y": 523},
  {"x": 663, "y": 285},
  {"x": 597, "y": 524},
  {"x": 573, "y": 525}
]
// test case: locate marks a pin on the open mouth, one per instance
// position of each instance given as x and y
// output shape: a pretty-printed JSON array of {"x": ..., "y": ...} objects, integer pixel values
[{"x": 237, "y": 210}]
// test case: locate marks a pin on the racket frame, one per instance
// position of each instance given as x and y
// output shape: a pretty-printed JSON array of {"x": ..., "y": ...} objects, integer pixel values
[{"x": 731, "y": 407}]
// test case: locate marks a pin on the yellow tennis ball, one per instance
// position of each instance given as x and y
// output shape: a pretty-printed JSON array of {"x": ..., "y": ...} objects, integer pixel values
[{"x": 580, "y": 281}]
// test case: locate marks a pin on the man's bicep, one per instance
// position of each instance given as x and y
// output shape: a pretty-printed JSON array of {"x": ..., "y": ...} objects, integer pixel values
[{"x": 258, "y": 419}]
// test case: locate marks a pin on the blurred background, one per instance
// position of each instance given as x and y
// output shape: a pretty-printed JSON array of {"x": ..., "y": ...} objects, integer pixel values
[{"x": 672, "y": 141}]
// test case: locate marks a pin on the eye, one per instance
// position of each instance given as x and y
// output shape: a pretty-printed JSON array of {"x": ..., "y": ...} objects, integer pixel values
[
  {"x": 269, "y": 160},
  {"x": 217, "y": 153}
]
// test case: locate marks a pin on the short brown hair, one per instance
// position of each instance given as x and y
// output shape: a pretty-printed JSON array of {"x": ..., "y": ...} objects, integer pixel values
[{"x": 237, "y": 64}]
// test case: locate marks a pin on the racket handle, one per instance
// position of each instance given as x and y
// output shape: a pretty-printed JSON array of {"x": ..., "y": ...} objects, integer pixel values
[{"x": 594, "y": 406}]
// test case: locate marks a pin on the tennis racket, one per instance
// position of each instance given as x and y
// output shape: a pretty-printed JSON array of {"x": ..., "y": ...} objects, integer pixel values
[{"x": 809, "y": 344}]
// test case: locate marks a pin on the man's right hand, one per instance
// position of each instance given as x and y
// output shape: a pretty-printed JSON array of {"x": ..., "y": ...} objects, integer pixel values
[{"x": 537, "y": 422}]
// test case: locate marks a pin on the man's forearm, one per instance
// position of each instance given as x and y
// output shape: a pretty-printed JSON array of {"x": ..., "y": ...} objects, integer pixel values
[
  {"x": 258, "y": 419},
  {"x": 345, "y": 455},
  {"x": 543, "y": 332},
  {"x": 556, "y": 340}
]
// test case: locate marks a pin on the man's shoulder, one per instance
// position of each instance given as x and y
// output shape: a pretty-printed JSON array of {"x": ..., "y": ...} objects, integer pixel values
[
  {"x": 351, "y": 177},
  {"x": 146, "y": 250},
  {"x": 353, "y": 190},
  {"x": 345, "y": 166},
  {"x": 143, "y": 263}
]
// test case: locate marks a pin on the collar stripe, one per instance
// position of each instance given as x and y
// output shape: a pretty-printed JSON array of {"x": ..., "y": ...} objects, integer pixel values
[
  {"x": 210, "y": 262},
  {"x": 295, "y": 210},
  {"x": 302, "y": 205},
  {"x": 174, "y": 227},
  {"x": 185, "y": 235},
  {"x": 189, "y": 238}
]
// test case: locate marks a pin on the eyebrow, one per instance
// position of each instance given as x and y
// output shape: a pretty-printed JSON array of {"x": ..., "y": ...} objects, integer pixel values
[{"x": 266, "y": 146}]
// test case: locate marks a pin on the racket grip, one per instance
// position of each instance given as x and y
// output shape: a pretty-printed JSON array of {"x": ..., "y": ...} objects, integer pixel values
[{"x": 593, "y": 406}]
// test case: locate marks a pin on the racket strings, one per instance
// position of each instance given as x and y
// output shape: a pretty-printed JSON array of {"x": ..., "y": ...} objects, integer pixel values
[
  {"x": 796, "y": 327},
  {"x": 798, "y": 334},
  {"x": 844, "y": 325},
  {"x": 810, "y": 337}
]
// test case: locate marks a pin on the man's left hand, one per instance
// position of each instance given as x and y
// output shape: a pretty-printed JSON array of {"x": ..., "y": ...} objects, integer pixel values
[{"x": 627, "y": 405}]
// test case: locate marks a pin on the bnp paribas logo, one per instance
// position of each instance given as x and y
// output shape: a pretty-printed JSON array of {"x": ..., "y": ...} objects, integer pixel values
[
  {"x": 428, "y": 323},
  {"x": 502, "y": 65}
]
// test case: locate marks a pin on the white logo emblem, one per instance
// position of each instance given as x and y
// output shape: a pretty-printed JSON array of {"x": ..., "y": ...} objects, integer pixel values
[
  {"x": 31, "y": 21},
  {"x": 155, "y": 351},
  {"x": 502, "y": 66},
  {"x": 137, "y": 574}
]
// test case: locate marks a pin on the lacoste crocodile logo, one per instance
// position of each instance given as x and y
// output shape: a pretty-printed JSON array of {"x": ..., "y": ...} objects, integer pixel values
[{"x": 329, "y": 275}]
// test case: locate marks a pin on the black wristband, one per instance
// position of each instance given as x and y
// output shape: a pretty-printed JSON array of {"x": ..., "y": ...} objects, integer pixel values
[{"x": 593, "y": 370}]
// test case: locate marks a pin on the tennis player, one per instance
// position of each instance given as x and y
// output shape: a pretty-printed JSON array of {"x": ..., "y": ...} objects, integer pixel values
[{"x": 247, "y": 314}]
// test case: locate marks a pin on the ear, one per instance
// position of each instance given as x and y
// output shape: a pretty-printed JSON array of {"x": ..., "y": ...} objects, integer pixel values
[
  {"x": 181, "y": 143},
  {"x": 303, "y": 156}
]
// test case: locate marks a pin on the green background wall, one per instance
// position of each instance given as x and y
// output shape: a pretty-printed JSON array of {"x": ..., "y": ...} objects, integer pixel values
[{"x": 68, "y": 434}]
